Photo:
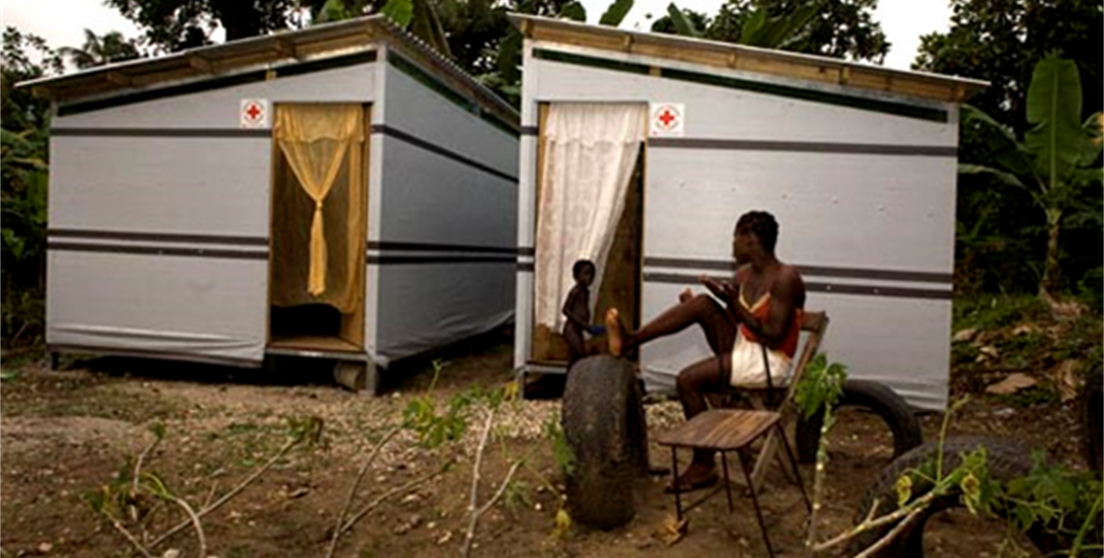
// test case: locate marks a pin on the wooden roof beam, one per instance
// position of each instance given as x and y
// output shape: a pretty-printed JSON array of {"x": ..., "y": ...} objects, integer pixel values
[
  {"x": 284, "y": 48},
  {"x": 201, "y": 64},
  {"x": 117, "y": 78},
  {"x": 43, "y": 92}
]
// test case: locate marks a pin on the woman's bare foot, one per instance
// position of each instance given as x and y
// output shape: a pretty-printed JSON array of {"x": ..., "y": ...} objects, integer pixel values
[
  {"x": 685, "y": 296},
  {"x": 614, "y": 334}
]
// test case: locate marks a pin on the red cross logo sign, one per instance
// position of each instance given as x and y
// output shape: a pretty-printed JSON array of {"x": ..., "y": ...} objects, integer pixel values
[
  {"x": 254, "y": 113},
  {"x": 667, "y": 119}
]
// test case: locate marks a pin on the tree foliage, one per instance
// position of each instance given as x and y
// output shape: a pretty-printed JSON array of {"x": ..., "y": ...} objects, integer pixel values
[
  {"x": 1054, "y": 162},
  {"x": 172, "y": 25},
  {"x": 23, "y": 165},
  {"x": 99, "y": 50},
  {"x": 1001, "y": 241},
  {"x": 839, "y": 28},
  {"x": 1001, "y": 41}
]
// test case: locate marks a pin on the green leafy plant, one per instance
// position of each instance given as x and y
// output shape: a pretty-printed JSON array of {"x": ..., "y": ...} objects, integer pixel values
[
  {"x": 819, "y": 389},
  {"x": 821, "y": 385},
  {"x": 757, "y": 25},
  {"x": 562, "y": 454},
  {"x": 129, "y": 498},
  {"x": 1054, "y": 161}
]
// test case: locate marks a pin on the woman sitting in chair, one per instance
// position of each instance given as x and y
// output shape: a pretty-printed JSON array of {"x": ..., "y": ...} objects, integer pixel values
[{"x": 756, "y": 331}]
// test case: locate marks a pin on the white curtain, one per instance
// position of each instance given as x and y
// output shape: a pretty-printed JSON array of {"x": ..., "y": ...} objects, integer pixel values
[{"x": 590, "y": 151}]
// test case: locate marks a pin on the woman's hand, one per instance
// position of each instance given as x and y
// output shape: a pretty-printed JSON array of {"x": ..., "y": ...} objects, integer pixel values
[{"x": 720, "y": 289}]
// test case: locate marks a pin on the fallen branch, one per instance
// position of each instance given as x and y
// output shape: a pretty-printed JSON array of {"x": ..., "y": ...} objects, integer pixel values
[
  {"x": 130, "y": 537},
  {"x": 478, "y": 511},
  {"x": 892, "y": 534},
  {"x": 398, "y": 490},
  {"x": 142, "y": 457},
  {"x": 356, "y": 484},
  {"x": 907, "y": 512},
  {"x": 233, "y": 492},
  {"x": 470, "y": 538},
  {"x": 476, "y": 477},
  {"x": 196, "y": 524}
]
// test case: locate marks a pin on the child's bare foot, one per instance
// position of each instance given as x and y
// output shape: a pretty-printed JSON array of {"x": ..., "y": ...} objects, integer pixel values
[
  {"x": 685, "y": 296},
  {"x": 614, "y": 334}
]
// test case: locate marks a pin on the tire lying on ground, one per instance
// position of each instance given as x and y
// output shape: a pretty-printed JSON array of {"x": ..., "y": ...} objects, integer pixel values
[
  {"x": 1006, "y": 461},
  {"x": 885, "y": 402},
  {"x": 603, "y": 423},
  {"x": 1091, "y": 415}
]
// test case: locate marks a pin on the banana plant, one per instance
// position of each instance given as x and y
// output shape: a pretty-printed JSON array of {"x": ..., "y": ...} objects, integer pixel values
[
  {"x": 508, "y": 59},
  {"x": 1056, "y": 159},
  {"x": 759, "y": 28},
  {"x": 419, "y": 17},
  {"x": 779, "y": 32},
  {"x": 683, "y": 25}
]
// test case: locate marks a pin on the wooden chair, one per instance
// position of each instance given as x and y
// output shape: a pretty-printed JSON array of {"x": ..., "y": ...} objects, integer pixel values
[
  {"x": 726, "y": 430},
  {"x": 814, "y": 324}
]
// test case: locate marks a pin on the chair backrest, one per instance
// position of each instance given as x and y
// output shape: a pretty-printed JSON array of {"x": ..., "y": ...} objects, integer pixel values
[{"x": 815, "y": 324}]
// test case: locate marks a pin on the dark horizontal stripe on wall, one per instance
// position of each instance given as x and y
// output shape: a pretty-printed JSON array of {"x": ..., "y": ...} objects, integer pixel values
[
  {"x": 815, "y": 287},
  {"x": 419, "y": 260},
  {"x": 158, "y": 237},
  {"x": 445, "y": 90},
  {"x": 526, "y": 251},
  {"x": 386, "y": 246},
  {"x": 898, "y": 292},
  {"x": 202, "y": 85},
  {"x": 883, "y": 274},
  {"x": 788, "y": 91},
  {"x": 811, "y": 270},
  {"x": 434, "y": 148},
  {"x": 162, "y": 132},
  {"x": 157, "y": 251},
  {"x": 527, "y": 267},
  {"x": 806, "y": 147},
  {"x": 149, "y": 353},
  {"x": 530, "y": 130}
]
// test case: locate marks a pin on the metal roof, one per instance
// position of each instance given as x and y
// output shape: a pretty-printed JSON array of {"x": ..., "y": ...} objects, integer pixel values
[
  {"x": 732, "y": 56},
  {"x": 317, "y": 42}
]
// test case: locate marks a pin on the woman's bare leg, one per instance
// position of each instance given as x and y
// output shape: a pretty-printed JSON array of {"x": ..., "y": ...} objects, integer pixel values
[
  {"x": 705, "y": 376},
  {"x": 719, "y": 329}
]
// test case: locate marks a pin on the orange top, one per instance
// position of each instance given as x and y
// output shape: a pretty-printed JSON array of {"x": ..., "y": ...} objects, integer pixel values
[{"x": 761, "y": 309}]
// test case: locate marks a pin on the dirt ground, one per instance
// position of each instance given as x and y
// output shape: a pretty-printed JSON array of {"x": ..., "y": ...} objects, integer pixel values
[{"x": 64, "y": 435}]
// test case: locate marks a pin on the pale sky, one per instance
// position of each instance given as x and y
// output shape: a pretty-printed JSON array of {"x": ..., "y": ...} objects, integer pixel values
[{"x": 62, "y": 22}]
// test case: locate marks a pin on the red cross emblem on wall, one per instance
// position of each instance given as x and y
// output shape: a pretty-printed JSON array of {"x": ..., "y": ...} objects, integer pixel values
[
  {"x": 254, "y": 113},
  {"x": 667, "y": 119}
]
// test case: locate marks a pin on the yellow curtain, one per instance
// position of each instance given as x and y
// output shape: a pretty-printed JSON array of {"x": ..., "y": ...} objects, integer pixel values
[{"x": 315, "y": 140}]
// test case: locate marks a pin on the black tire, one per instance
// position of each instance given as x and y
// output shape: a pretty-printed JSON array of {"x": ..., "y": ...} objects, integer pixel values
[
  {"x": 885, "y": 402},
  {"x": 1091, "y": 416},
  {"x": 603, "y": 422},
  {"x": 1006, "y": 460}
]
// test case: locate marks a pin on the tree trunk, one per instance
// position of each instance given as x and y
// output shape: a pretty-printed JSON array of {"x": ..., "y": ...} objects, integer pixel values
[{"x": 1048, "y": 285}]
